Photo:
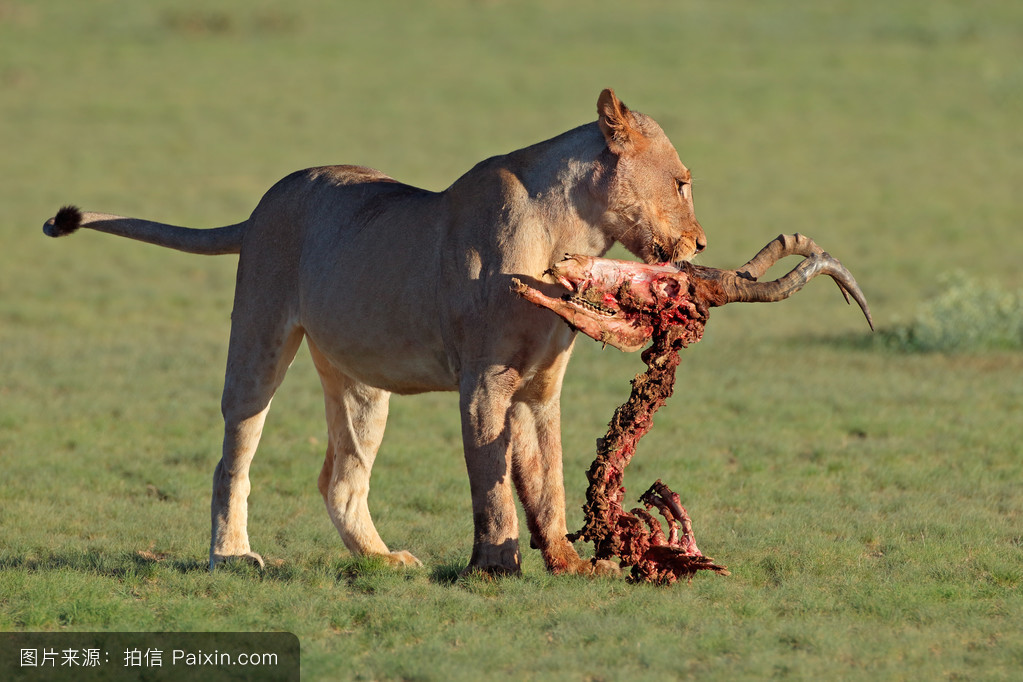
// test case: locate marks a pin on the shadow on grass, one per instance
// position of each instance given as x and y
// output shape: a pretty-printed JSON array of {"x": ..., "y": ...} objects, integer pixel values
[
  {"x": 367, "y": 575},
  {"x": 886, "y": 340},
  {"x": 115, "y": 565},
  {"x": 446, "y": 574},
  {"x": 907, "y": 340},
  {"x": 361, "y": 574}
]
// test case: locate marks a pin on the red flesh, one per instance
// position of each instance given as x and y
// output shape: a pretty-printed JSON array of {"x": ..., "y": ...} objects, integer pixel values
[
  {"x": 648, "y": 302},
  {"x": 636, "y": 537}
]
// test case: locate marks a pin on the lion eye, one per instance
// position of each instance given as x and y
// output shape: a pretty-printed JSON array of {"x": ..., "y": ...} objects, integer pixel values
[{"x": 680, "y": 185}]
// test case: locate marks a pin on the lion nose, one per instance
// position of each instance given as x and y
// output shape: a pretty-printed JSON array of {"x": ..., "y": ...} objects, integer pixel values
[{"x": 701, "y": 243}]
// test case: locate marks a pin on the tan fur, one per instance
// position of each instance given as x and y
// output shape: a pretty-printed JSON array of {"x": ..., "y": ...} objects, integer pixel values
[{"x": 400, "y": 290}]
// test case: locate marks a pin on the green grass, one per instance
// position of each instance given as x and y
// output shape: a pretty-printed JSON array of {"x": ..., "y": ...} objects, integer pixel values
[{"x": 867, "y": 501}]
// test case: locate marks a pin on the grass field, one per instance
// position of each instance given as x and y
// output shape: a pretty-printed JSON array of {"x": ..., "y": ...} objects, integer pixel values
[{"x": 868, "y": 500}]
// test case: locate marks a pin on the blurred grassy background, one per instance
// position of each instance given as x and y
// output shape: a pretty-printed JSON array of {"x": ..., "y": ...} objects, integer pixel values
[{"x": 868, "y": 501}]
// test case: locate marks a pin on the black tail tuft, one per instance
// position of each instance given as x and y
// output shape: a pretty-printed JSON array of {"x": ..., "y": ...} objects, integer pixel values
[{"x": 67, "y": 220}]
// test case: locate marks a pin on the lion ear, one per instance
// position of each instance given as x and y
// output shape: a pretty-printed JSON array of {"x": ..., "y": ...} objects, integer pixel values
[{"x": 618, "y": 124}]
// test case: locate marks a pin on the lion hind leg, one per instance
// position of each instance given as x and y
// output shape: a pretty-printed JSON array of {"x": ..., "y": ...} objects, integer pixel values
[
  {"x": 229, "y": 537},
  {"x": 356, "y": 418},
  {"x": 253, "y": 376}
]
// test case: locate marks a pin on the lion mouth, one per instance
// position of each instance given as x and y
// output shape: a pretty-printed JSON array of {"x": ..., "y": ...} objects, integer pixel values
[{"x": 661, "y": 254}]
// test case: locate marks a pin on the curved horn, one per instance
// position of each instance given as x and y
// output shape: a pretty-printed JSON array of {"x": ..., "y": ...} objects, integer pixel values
[
  {"x": 741, "y": 285},
  {"x": 779, "y": 247}
]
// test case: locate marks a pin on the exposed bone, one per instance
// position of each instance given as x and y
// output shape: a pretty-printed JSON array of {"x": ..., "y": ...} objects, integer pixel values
[{"x": 627, "y": 304}]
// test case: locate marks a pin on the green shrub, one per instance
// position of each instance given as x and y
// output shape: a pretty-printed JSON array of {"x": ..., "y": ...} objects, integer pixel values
[{"x": 967, "y": 315}]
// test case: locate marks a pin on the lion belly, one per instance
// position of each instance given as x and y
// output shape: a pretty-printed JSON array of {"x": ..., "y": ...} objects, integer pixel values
[{"x": 368, "y": 288}]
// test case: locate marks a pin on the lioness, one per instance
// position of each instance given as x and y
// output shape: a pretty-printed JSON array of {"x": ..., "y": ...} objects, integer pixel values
[{"x": 401, "y": 290}]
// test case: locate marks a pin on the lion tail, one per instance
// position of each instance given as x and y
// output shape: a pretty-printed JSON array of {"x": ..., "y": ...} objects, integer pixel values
[{"x": 219, "y": 240}]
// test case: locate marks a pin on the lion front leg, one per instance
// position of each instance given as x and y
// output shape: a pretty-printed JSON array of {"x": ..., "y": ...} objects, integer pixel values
[
  {"x": 539, "y": 480},
  {"x": 486, "y": 435}
]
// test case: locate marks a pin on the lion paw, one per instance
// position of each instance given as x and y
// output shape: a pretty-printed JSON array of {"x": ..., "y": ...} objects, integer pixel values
[
  {"x": 250, "y": 557},
  {"x": 495, "y": 560},
  {"x": 402, "y": 559},
  {"x": 596, "y": 568},
  {"x": 603, "y": 567}
]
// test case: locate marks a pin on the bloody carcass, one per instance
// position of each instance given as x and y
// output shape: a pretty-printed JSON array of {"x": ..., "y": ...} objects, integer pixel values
[{"x": 627, "y": 305}]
